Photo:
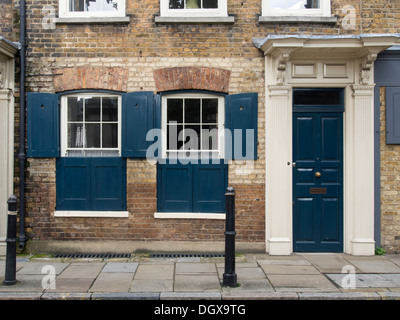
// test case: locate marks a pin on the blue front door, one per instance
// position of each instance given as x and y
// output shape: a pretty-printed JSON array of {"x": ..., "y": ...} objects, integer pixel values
[{"x": 317, "y": 181}]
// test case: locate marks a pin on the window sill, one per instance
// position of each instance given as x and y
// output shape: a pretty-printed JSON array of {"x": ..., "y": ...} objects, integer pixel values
[
  {"x": 229, "y": 19},
  {"x": 189, "y": 215},
  {"x": 92, "y": 20},
  {"x": 297, "y": 19},
  {"x": 92, "y": 214}
]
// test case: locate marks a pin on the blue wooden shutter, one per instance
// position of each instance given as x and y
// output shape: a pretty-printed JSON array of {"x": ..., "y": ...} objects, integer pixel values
[
  {"x": 73, "y": 183},
  {"x": 241, "y": 115},
  {"x": 209, "y": 185},
  {"x": 393, "y": 115},
  {"x": 42, "y": 125},
  {"x": 108, "y": 184},
  {"x": 137, "y": 120},
  {"x": 174, "y": 183}
]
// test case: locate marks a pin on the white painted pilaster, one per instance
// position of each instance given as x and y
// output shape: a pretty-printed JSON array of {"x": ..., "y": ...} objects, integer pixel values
[
  {"x": 279, "y": 170},
  {"x": 360, "y": 172}
]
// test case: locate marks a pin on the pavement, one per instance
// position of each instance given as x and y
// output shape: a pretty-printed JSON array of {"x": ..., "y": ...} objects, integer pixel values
[{"x": 259, "y": 277}]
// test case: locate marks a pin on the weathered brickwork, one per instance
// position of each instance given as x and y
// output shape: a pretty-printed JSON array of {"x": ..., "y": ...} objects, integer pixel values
[
  {"x": 6, "y": 20},
  {"x": 390, "y": 186},
  {"x": 135, "y": 57},
  {"x": 200, "y": 78},
  {"x": 90, "y": 78}
]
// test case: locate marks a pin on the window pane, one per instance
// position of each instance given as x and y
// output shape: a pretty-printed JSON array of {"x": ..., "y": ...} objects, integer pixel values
[
  {"x": 209, "y": 137},
  {"x": 210, "y": 4},
  {"x": 192, "y": 111},
  {"x": 93, "y": 135},
  {"x": 92, "y": 109},
  {"x": 110, "y": 135},
  {"x": 210, "y": 111},
  {"x": 93, "y": 5},
  {"x": 175, "y": 110},
  {"x": 322, "y": 97},
  {"x": 76, "y": 135},
  {"x": 192, "y": 137},
  {"x": 294, "y": 4},
  {"x": 176, "y": 4},
  {"x": 193, "y": 4},
  {"x": 173, "y": 131},
  {"x": 110, "y": 109},
  {"x": 75, "y": 109}
]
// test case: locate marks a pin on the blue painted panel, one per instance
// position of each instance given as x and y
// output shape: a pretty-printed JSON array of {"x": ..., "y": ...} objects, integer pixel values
[
  {"x": 387, "y": 68},
  {"x": 318, "y": 202},
  {"x": 42, "y": 125},
  {"x": 108, "y": 184},
  {"x": 393, "y": 115},
  {"x": 137, "y": 120},
  {"x": 209, "y": 185},
  {"x": 191, "y": 187},
  {"x": 174, "y": 188},
  {"x": 241, "y": 119},
  {"x": 91, "y": 184},
  {"x": 73, "y": 184}
]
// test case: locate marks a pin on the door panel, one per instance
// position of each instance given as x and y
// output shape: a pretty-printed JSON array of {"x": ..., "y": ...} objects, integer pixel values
[{"x": 318, "y": 181}]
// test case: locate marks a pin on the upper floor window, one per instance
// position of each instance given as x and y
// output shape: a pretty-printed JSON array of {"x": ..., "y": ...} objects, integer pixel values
[
  {"x": 193, "y": 124},
  {"x": 91, "y": 8},
  {"x": 90, "y": 125},
  {"x": 193, "y": 8},
  {"x": 296, "y": 8}
]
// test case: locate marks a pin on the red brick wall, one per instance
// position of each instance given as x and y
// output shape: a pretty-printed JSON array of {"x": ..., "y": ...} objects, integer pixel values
[{"x": 201, "y": 78}]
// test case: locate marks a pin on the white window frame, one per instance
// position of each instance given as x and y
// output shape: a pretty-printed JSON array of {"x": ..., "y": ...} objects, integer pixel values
[
  {"x": 220, "y": 152},
  {"x": 64, "y": 122},
  {"x": 323, "y": 11},
  {"x": 222, "y": 11},
  {"x": 64, "y": 12}
]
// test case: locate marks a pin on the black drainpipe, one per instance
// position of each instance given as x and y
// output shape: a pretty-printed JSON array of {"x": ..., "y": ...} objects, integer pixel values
[{"x": 22, "y": 156}]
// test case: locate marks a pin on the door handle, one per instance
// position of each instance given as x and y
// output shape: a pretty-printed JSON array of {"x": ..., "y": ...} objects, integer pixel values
[{"x": 318, "y": 174}]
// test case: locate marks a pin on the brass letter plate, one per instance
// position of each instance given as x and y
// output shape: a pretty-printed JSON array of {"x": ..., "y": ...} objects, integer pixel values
[{"x": 317, "y": 190}]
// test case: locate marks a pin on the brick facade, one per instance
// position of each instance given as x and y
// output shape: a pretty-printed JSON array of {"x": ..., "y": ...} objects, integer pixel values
[
  {"x": 184, "y": 78},
  {"x": 143, "y": 55},
  {"x": 390, "y": 186}
]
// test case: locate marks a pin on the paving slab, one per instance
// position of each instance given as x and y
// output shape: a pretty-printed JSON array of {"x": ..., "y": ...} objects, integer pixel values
[
  {"x": 121, "y": 267},
  {"x": 328, "y": 263},
  {"x": 66, "y": 296},
  {"x": 251, "y": 285},
  {"x": 20, "y": 295},
  {"x": 285, "y": 262},
  {"x": 304, "y": 282},
  {"x": 71, "y": 285},
  {"x": 393, "y": 277},
  {"x": 82, "y": 270},
  {"x": 375, "y": 264},
  {"x": 112, "y": 282},
  {"x": 25, "y": 283},
  {"x": 37, "y": 268},
  {"x": 152, "y": 285},
  {"x": 185, "y": 268},
  {"x": 284, "y": 269},
  {"x": 190, "y": 296},
  {"x": 125, "y": 296},
  {"x": 362, "y": 280},
  {"x": 339, "y": 296},
  {"x": 261, "y": 295},
  {"x": 395, "y": 258},
  {"x": 155, "y": 271},
  {"x": 390, "y": 295},
  {"x": 196, "y": 282}
]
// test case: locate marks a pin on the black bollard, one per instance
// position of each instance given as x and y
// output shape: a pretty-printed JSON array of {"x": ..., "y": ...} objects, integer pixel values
[
  {"x": 230, "y": 277},
  {"x": 11, "y": 255}
]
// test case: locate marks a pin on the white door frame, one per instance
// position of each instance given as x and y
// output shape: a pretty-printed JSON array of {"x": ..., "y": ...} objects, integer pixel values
[
  {"x": 7, "y": 53},
  {"x": 345, "y": 62}
]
